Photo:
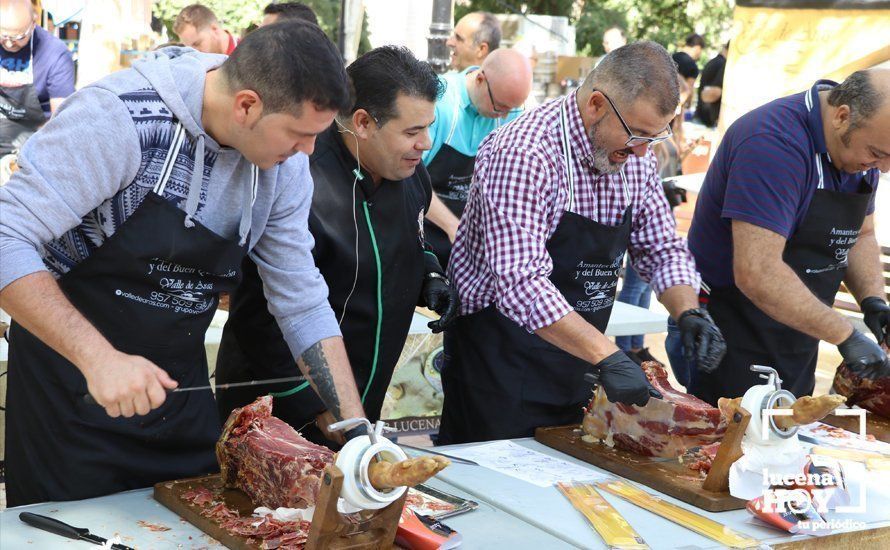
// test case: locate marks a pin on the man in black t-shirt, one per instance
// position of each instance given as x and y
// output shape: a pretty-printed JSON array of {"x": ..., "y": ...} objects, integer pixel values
[
  {"x": 710, "y": 89},
  {"x": 687, "y": 58}
]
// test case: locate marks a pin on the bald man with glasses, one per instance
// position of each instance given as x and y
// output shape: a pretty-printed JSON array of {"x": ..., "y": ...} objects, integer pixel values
[
  {"x": 558, "y": 197},
  {"x": 36, "y": 74},
  {"x": 477, "y": 101}
]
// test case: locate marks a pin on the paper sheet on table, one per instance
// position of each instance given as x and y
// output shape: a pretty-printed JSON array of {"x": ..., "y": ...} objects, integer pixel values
[
  {"x": 527, "y": 465},
  {"x": 824, "y": 434}
]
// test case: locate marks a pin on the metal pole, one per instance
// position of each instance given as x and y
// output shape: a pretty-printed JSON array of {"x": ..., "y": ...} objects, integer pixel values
[
  {"x": 341, "y": 30},
  {"x": 440, "y": 29}
]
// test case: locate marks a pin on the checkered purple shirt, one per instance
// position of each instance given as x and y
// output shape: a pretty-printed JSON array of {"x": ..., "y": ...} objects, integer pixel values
[{"x": 518, "y": 196}]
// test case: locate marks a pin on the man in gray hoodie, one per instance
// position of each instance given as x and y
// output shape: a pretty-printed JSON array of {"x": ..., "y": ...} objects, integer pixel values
[{"x": 132, "y": 211}]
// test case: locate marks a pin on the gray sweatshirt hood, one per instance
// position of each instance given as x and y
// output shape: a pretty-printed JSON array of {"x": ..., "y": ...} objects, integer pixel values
[{"x": 178, "y": 75}]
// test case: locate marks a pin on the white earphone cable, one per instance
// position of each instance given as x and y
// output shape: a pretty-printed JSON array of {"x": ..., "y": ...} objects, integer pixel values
[{"x": 358, "y": 175}]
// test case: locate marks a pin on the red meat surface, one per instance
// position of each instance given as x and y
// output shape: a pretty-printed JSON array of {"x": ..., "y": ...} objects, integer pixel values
[
  {"x": 269, "y": 460},
  {"x": 664, "y": 427},
  {"x": 872, "y": 395}
]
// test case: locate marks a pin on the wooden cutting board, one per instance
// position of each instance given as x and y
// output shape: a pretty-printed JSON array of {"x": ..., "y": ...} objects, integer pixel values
[
  {"x": 169, "y": 493},
  {"x": 671, "y": 478},
  {"x": 330, "y": 530},
  {"x": 875, "y": 425}
]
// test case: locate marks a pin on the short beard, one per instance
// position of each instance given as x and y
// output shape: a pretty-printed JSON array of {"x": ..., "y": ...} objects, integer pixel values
[{"x": 601, "y": 161}]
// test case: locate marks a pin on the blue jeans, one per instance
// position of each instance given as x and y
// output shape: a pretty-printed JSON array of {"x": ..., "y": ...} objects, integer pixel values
[
  {"x": 635, "y": 292},
  {"x": 673, "y": 345}
]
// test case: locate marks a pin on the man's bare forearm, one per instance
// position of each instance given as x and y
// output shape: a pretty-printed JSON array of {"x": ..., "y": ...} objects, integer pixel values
[
  {"x": 326, "y": 365},
  {"x": 574, "y": 335},
  {"x": 678, "y": 299},
  {"x": 864, "y": 275},
  {"x": 779, "y": 292},
  {"x": 37, "y": 303},
  {"x": 444, "y": 219}
]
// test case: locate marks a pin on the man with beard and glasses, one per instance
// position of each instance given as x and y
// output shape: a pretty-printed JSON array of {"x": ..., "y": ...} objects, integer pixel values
[
  {"x": 785, "y": 214},
  {"x": 558, "y": 196}
]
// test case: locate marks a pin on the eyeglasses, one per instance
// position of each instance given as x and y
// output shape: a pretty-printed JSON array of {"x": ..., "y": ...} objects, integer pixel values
[
  {"x": 633, "y": 140},
  {"x": 493, "y": 104},
  {"x": 19, "y": 38}
]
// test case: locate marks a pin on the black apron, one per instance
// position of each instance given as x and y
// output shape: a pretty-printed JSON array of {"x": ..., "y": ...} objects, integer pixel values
[
  {"x": 151, "y": 289},
  {"x": 20, "y": 110},
  {"x": 378, "y": 313},
  {"x": 817, "y": 252},
  {"x": 502, "y": 382},
  {"x": 451, "y": 173}
]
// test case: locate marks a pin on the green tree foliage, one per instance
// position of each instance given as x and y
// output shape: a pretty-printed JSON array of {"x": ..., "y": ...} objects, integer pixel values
[
  {"x": 238, "y": 15},
  {"x": 537, "y": 7},
  {"x": 590, "y": 26},
  {"x": 664, "y": 21}
]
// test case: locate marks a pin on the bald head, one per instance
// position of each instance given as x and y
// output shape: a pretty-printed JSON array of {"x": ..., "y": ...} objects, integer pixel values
[
  {"x": 508, "y": 75},
  {"x": 613, "y": 38},
  {"x": 17, "y": 18}
]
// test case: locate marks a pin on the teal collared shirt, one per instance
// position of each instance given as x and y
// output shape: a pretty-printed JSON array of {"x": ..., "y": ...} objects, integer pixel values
[{"x": 457, "y": 118}]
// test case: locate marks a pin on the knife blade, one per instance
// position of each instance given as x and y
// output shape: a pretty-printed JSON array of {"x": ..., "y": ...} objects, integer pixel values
[
  {"x": 61, "y": 528},
  {"x": 457, "y": 459},
  {"x": 242, "y": 384},
  {"x": 89, "y": 399}
]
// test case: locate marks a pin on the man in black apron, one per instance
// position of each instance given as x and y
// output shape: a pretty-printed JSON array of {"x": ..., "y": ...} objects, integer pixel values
[
  {"x": 36, "y": 73},
  {"x": 558, "y": 197},
  {"x": 789, "y": 201},
  {"x": 477, "y": 101},
  {"x": 370, "y": 197},
  {"x": 142, "y": 235}
]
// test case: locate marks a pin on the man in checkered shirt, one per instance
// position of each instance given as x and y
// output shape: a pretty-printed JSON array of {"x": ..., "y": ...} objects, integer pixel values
[{"x": 558, "y": 197}]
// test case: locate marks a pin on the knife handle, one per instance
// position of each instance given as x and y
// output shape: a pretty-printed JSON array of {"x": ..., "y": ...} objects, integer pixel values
[{"x": 53, "y": 525}]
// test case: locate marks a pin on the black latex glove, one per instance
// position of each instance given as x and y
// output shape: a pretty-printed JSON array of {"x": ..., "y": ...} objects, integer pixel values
[
  {"x": 624, "y": 380},
  {"x": 702, "y": 340},
  {"x": 440, "y": 296},
  {"x": 675, "y": 195},
  {"x": 864, "y": 357},
  {"x": 877, "y": 318}
]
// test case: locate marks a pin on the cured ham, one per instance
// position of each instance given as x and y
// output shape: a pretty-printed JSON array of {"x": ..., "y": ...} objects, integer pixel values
[
  {"x": 664, "y": 427},
  {"x": 269, "y": 460},
  {"x": 872, "y": 395}
]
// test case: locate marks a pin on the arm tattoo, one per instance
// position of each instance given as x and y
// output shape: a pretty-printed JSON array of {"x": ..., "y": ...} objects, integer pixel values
[{"x": 320, "y": 374}]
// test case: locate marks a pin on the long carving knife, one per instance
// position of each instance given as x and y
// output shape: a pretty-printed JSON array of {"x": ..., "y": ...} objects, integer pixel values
[
  {"x": 89, "y": 398},
  {"x": 457, "y": 459}
]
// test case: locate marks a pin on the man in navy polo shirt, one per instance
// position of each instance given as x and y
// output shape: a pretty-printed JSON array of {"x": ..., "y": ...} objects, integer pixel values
[
  {"x": 36, "y": 73},
  {"x": 785, "y": 214}
]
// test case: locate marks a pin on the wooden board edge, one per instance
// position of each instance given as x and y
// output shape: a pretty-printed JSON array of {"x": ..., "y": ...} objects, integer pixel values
[
  {"x": 167, "y": 496},
  {"x": 870, "y": 539},
  {"x": 554, "y": 438}
]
